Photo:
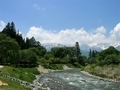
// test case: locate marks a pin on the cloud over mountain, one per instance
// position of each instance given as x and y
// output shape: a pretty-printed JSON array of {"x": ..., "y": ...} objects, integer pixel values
[
  {"x": 69, "y": 36},
  {"x": 115, "y": 33}
]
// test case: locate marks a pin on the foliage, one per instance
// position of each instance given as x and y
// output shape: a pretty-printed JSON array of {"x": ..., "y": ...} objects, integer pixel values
[
  {"x": 12, "y": 85},
  {"x": 106, "y": 57},
  {"x": 27, "y": 57},
  {"x": 21, "y": 73},
  {"x": 54, "y": 66},
  {"x": 77, "y": 49},
  {"x": 9, "y": 50},
  {"x": 106, "y": 71},
  {"x": 10, "y": 30},
  {"x": 39, "y": 51},
  {"x": 11, "y": 41}
]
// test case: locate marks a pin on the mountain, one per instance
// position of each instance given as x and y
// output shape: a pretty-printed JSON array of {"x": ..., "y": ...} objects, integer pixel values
[
  {"x": 83, "y": 47},
  {"x": 103, "y": 45},
  {"x": 118, "y": 47},
  {"x": 48, "y": 46}
]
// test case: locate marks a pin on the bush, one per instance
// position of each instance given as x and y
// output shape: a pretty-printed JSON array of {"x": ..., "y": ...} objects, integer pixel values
[
  {"x": 54, "y": 66},
  {"x": 27, "y": 57},
  {"x": 26, "y": 74}
]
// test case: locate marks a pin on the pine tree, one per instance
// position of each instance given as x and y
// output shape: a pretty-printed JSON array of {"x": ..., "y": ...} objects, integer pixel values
[
  {"x": 10, "y": 30},
  {"x": 77, "y": 49},
  {"x": 90, "y": 54},
  {"x": 93, "y": 53}
]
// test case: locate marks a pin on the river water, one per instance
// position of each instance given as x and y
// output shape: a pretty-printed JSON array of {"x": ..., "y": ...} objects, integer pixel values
[{"x": 75, "y": 80}]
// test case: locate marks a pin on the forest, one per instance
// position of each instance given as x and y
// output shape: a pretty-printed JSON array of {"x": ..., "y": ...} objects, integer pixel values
[{"x": 27, "y": 52}]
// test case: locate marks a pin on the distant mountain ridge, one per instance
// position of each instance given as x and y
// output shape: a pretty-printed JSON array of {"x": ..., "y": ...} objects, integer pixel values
[
  {"x": 83, "y": 47},
  {"x": 48, "y": 46}
]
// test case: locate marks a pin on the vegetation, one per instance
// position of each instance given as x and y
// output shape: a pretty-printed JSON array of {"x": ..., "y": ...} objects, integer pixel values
[
  {"x": 26, "y": 74},
  {"x": 106, "y": 71},
  {"x": 106, "y": 57},
  {"x": 16, "y": 51},
  {"x": 105, "y": 63},
  {"x": 12, "y": 85}
]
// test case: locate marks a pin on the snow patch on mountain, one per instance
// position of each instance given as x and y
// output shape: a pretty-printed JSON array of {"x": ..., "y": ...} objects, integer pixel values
[{"x": 83, "y": 47}]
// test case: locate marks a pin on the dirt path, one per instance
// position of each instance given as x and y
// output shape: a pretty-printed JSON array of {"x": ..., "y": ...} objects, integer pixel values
[
  {"x": 66, "y": 67},
  {"x": 41, "y": 69}
]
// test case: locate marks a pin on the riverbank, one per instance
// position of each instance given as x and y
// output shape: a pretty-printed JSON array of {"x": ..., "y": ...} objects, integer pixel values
[
  {"x": 108, "y": 72},
  {"x": 100, "y": 78},
  {"x": 18, "y": 78},
  {"x": 43, "y": 70}
]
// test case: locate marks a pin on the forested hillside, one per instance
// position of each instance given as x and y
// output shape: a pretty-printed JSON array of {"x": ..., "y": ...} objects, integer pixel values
[{"x": 18, "y": 51}]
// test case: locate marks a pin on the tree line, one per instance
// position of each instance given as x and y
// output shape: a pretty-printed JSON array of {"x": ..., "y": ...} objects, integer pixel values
[{"x": 18, "y": 51}]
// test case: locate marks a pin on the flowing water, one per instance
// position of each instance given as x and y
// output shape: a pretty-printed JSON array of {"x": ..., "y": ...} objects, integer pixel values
[{"x": 75, "y": 80}]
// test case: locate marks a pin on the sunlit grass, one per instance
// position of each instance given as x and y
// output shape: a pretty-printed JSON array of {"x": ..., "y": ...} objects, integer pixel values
[
  {"x": 12, "y": 85},
  {"x": 26, "y": 74},
  {"x": 107, "y": 71}
]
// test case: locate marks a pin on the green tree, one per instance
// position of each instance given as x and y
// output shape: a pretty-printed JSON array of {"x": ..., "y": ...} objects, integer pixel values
[
  {"x": 39, "y": 51},
  {"x": 10, "y": 30},
  {"x": 58, "y": 52},
  {"x": 20, "y": 41},
  {"x": 82, "y": 60},
  {"x": 9, "y": 50},
  {"x": 77, "y": 48},
  {"x": 77, "y": 52},
  {"x": 28, "y": 57},
  {"x": 90, "y": 53}
]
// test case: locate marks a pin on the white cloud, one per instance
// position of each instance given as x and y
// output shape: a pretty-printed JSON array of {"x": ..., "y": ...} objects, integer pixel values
[
  {"x": 68, "y": 36},
  {"x": 101, "y": 30},
  {"x": 115, "y": 33},
  {"x": 2, "y": 25},
  {"x": 38, "y": 7}
]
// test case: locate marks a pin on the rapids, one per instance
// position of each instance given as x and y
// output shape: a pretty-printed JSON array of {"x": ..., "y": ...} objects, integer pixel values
[{"x": 75, "y": 80}]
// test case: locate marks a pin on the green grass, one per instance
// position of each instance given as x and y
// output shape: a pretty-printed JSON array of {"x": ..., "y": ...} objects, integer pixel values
[
  {"x": 26, "y": 74},
  {"x": 54, "y": 66},
  {"x": 70, "y": 65},
  {"x": 12, "y": 85},
  {"x": 107, "y": 71}
]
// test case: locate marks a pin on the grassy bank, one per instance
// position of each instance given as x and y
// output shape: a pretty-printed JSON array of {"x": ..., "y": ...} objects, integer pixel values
[
  {"x": 60, "y": 66},
  {"x": 12, "y": 85},
  {"x": 53, "y": 66},
  {"x": 26, "y": 74},
  {"x": 107, "y": 71}
]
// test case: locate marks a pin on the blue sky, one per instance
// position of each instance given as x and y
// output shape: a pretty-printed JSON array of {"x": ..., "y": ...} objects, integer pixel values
[{"x": 53, "y": 16}]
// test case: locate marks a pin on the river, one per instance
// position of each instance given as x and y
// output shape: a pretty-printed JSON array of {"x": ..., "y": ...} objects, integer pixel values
[{"x": 75, "y": 80}]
